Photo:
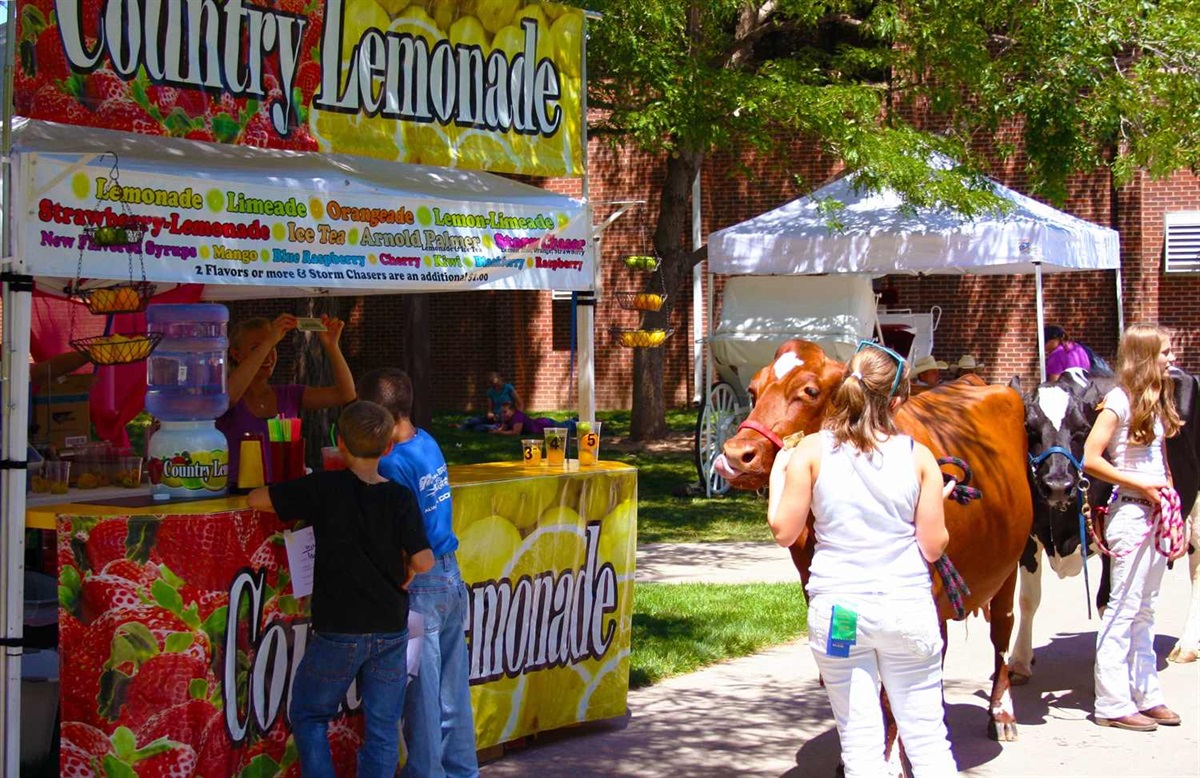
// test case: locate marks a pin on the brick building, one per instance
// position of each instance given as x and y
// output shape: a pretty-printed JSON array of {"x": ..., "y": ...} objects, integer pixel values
[{"x": 527, "y": 336}]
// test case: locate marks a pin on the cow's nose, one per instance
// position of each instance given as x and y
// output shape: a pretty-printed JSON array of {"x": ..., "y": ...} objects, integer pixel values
[
  {"x": 744, "y": 453},
  {"x": 1060, "y": 487}
]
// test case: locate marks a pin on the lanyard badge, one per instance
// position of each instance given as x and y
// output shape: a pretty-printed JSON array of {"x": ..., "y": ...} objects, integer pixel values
[{"x": 843, "y": 631}]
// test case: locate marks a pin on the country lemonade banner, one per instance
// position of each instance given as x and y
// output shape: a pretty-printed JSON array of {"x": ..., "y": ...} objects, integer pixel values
[
  {"x": 483, "y": 84},
  {"x": 234, "y": 232},
  {"x": 179, "y": 634}
]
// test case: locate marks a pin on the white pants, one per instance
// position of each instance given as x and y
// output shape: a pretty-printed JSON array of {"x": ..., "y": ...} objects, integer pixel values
[
  {"x": 900, "y": 642},
  {"x": 1126, "y": 669}
]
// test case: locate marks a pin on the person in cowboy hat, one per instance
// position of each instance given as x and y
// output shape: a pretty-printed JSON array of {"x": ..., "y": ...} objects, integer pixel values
[
  {"x": 927, "y": 371},
  {"x": 967, "y": 364}
]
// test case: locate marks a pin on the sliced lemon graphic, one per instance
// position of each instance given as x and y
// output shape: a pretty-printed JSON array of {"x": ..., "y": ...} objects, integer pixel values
[
  {"x": 482, "y": 150},
  {"x": 487, "y": 549}
]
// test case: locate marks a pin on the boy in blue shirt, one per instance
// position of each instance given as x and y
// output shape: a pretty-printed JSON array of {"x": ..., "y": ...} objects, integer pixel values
[{"x": 439, "y": 726}]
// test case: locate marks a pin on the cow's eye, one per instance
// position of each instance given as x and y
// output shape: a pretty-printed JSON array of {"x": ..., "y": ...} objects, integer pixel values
[{"x": 812, "y": 391}]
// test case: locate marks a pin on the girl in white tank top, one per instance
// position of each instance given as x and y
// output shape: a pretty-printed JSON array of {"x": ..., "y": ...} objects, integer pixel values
[{"x": 876, "y": 497}]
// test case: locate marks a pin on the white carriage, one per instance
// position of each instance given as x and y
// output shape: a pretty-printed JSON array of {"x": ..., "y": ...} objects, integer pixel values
[{"x": 758, "y": 314}]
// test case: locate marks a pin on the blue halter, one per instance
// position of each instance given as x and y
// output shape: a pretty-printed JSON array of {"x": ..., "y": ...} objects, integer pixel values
[{"x": 1082, "y": 488}]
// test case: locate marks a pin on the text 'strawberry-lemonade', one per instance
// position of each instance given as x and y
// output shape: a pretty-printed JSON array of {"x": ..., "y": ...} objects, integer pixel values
[
  {"x": 556, "y": 446},
  {"x": 589, "y": 442}
]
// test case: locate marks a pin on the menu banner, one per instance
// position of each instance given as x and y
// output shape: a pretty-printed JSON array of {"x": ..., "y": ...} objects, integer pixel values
[
  {"x": 483, "y": 84},
  {"x": 199, "y": 230}
]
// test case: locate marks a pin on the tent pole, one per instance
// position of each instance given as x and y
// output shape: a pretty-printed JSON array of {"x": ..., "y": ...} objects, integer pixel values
[
  {"x": 1120, "y": 306},
  {"x": 708, "y": 362},
  {"x": 697, "y": 296},
  {"x": 1041, "y": 319},
  {"x": 17, "y": 294},
  {"x": 585, "y": 333}
]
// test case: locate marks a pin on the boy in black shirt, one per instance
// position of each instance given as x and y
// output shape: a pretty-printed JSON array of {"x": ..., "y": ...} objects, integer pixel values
[{"x": 370, "y": 540}]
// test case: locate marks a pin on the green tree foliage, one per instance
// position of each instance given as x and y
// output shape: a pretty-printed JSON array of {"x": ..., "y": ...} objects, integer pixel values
[{"x": 880, "y": 85}]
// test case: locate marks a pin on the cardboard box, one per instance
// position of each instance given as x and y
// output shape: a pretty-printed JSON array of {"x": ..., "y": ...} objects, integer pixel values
[{"x": 60, "y": 411}]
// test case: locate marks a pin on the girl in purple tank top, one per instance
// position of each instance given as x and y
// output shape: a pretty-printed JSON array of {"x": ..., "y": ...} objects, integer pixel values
[{"x": 253, "y": 399}]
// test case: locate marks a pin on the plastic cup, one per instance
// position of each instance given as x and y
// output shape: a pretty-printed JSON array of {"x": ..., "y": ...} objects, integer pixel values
[
  {"x": 55, "y": 476},
  {"x": 556, "y": 446},
  {"x": 531, "y": 452},
  {"x": 331, "y": 459},
  {"x": 589, "y": 442},
  {"x": 129, "y": 472}
]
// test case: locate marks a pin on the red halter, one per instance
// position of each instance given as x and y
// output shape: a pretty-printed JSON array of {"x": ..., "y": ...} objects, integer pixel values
[{"x": 761, "y": 429}]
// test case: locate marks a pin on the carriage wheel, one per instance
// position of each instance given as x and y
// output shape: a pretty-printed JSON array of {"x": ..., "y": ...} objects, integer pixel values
[{"x": 720, "y": 415}]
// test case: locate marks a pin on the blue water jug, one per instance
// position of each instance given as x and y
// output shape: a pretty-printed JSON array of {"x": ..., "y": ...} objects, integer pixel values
[{"x": 185, "y": 375}]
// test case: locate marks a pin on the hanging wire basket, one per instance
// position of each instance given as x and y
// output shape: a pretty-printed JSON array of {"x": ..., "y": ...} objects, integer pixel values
[
  {"x": 129, "y": 234},
  {"x": 641, "y": 301},
  {"x": 132, "y": 297},
  {"x": 117, "y": 349},
  {"x": 643, "y": 262},
  {"x": 639, "y": 338}
]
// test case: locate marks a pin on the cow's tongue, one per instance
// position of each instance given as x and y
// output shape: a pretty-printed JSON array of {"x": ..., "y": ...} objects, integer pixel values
[{"x": 722, "y": 468}]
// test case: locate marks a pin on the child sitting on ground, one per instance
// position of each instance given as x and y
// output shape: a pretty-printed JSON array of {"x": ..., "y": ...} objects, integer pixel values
[{"x": 370, "y": 540}]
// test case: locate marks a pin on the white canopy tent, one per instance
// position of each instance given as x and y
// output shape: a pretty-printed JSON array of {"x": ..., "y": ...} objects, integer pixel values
[
  {"x": 879, "y": 235},
  {"x": 50, "y": 161}
]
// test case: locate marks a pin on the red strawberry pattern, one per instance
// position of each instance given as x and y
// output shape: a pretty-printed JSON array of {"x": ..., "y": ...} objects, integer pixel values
[
  {"x": 141, "y": 646},
  {"x": 106, "y": 542}
]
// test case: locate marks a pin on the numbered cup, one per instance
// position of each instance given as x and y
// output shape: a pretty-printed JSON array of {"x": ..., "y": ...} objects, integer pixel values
[
  {"x": 556, "y": 446},
  {"x": 589, "y": 442},
  {"x": 531, "y": 452}
]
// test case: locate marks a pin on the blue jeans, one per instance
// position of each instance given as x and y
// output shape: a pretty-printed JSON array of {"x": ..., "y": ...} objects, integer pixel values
[
  {"x": 330, "y": 663},
  {"x": 439, "y": 727}
]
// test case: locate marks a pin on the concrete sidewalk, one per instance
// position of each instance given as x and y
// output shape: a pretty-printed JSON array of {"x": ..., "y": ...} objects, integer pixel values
[{"x": 766, "y": 714}]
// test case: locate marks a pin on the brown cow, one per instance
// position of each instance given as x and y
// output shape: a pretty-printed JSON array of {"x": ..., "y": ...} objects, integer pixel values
[{"x": 980, "y": 424}]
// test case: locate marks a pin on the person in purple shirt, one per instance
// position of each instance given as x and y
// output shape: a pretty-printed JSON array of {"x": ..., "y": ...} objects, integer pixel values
[
  {"x": 1062, "y": 353},
  {"x": 253, "y": 399},
  {"x": 517, "y": 423}
]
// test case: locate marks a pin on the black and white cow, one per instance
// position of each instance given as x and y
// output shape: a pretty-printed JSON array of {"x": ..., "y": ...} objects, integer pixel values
[
  {"x": 1061, "y": 414},
  {"x": 1058, "y": 417}
]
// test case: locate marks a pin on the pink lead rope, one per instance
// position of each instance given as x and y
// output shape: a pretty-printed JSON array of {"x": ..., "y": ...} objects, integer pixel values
[{"x": 1166, "y": 522}]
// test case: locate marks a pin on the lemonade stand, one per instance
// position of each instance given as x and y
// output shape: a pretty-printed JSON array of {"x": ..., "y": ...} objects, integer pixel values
[{"x": 186, "y": 609}]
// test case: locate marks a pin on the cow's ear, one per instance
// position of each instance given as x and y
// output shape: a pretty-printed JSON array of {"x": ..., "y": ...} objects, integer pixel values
[{"x": 1015, "y": 383}]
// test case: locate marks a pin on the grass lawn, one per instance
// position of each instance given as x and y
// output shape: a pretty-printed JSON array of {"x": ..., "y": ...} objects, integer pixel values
[
  {"x": 680, "y": 628},
  {"x": 662, "y": 517}
]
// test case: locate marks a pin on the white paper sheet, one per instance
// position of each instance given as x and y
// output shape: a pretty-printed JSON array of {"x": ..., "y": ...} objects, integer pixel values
[
  {"x": 302, "y": 554},
  {"x": 416, "y": 637}
]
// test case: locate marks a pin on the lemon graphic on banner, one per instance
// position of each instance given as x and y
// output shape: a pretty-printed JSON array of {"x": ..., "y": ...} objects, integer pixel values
[
  {"x": 607, "y": 691},
  {"x": 486, "y": 548},
  {"x": 495, "y": 14},
  {"x": 483, "y": 150},
  {"x": 567, "y": 37},
  {"x": 358, "y": 16}
]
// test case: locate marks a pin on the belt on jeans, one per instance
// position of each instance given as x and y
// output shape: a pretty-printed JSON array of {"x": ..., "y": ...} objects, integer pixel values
[{"x": 1137, "y": 500}]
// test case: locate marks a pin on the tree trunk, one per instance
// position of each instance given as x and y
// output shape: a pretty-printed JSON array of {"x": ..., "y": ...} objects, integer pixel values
[
  {"x": 649, "y": 420},
  {"x": 418, "y": 361}
]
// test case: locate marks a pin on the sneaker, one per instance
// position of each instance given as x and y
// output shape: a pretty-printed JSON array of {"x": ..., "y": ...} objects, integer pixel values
[
  {"x": 1134, "y": 721},
  {"x": 1161, "y": 714}
]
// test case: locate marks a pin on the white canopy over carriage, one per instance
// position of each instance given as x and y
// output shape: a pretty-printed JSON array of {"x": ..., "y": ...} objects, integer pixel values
[{"x": 817, "y": 282}]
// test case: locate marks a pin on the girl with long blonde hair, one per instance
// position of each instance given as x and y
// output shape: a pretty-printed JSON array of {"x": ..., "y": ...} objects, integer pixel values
[
  {"x": 876, "y": 496},
  {"x": 1135, "y": 419}
]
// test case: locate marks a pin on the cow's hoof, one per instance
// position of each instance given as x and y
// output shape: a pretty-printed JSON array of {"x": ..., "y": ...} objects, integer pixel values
[
  {"x": 1179, "y": 656},
  {"x": 1002, "y": 731},
  {"x": 1017, "y": 679}
]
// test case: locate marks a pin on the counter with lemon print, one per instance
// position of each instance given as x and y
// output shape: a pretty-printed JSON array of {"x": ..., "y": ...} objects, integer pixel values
[{"x": 548, "y": 560}]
